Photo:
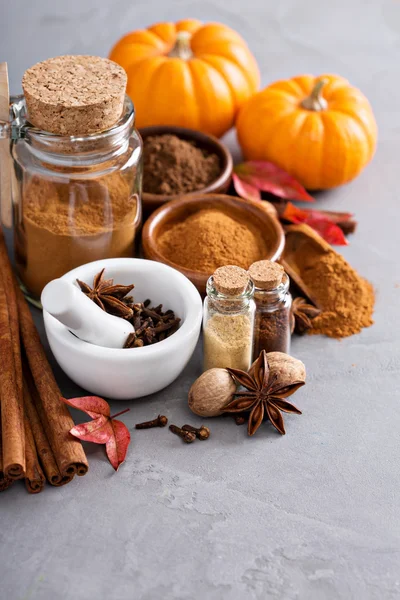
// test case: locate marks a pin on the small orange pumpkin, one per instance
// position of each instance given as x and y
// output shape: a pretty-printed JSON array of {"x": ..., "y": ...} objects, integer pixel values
[
  {"x": 187, "y": 74},
  {"x": 319, "y": 129}
]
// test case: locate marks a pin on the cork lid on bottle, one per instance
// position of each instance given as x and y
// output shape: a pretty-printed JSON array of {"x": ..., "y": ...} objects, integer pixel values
[
  {"x": 266, "y": 275},
  {"x": 74, "y": 95},
  {"x": 230, "y": 280}
]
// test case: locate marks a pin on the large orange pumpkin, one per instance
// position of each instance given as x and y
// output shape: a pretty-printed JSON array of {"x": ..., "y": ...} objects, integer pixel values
[
  {"x": 187, "y": 74},
  {"x": 319, "y": 129}
]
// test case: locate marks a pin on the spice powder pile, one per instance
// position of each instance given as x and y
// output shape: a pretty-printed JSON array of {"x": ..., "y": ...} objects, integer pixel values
[
  {"x": 346, "y": 299},
  {"x": 209, "y": 239},
  {"x": 175, "y": 166}
]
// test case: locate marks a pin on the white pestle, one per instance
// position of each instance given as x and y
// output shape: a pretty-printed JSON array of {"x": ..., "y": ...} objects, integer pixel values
[{"x": 69, "y": 305}]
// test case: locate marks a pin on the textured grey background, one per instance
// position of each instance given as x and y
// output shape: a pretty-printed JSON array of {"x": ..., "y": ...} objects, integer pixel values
[{"x": 312, "y": 515}]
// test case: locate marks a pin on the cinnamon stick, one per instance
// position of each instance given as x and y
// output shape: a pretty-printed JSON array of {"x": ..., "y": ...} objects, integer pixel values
[
  {"x": 10, "y": 289},
  {"x": 56, "y": 420},
  {"x": 5, "y": 481},
  {"x": 34, "y": 477},
  {"x": 10, "y": 374},
  {"x": 343, "y": 220},
  {"x": 43, "y": 448}
]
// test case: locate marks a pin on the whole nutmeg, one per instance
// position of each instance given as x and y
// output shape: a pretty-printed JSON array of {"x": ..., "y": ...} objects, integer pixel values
[
  {"x": 210, "y": 392},
  {"x": 287, "y": 368}
]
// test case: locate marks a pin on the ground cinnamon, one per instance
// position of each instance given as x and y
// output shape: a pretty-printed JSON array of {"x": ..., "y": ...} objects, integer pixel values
[
  {"x": 67, "y": 223},
  {"x": 345, "y": 298},
  {"x": 209, "y": 239},
  {"x": 176, "y": 166}
]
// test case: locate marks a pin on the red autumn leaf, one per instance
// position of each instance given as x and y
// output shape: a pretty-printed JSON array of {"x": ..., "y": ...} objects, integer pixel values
[
  {"x": 94, "y": 406},
  {"x": 328, "y": 230},
  {"x": 321, "y": 223},
  {"x": 96, "y": 431},
  {"x": 266, "y": 177},
  {"x": 245, "y": 190},
  {"x": 103, "y": 429},
  {"x": 117, "y": 444}
]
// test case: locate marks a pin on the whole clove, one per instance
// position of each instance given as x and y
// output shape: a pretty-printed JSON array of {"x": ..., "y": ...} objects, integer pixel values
[
  {"x": 202, "y": 433},
  {"x": 187, "y": 436},
  {"x": 159, "y": 421},
  {"x": 151, "y": 325},
  {"x": 239, "y": 419}
]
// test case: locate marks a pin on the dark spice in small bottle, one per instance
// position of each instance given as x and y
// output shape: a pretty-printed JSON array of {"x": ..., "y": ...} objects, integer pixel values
[
  {"x": 272, "y": 331},
  {"x": 272, "y": 326}
]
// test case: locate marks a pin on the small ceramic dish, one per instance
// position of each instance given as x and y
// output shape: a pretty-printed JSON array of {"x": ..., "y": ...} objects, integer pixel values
[
  {"x": 123, "y": 374},
  {"x": 251, "y": 213},
  {"x": 206, "y": 142}
]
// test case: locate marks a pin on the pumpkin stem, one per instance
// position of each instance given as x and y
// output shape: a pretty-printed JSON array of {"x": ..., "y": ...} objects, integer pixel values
[
  {"x": 182, "y": 46},
  {"x": 315, "y": 101}
]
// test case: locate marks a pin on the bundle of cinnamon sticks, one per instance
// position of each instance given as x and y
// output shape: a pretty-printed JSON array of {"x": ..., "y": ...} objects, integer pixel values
[{"x": 35, "y": 443}]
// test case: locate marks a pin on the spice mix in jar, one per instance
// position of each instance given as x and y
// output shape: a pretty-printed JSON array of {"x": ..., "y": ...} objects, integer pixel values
[
  {"x": 273, "y": 303},
  {"x": 78, "y": 170},
  {"x": 228, "y": 319}
]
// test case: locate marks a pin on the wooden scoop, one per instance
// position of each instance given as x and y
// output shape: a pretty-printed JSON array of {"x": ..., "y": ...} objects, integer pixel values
[
  {"x": 5, "y": 157},
  {"x": 302, "y": 246}
]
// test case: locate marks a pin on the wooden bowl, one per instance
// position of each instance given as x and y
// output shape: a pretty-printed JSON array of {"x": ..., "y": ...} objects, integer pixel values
[
  {"x": 206, "y": 142},
  {"x": 244, "y": 211}
]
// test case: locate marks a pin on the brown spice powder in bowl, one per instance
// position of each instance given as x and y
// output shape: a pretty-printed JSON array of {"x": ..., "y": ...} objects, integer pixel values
[
  {"x": 174, "y": 166},
  {"x": 209, "y": 239},
  {"x": 198, "y": 233}
]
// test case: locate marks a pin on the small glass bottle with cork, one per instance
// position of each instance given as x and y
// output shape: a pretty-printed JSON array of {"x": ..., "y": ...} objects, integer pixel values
[
  {"x": 273, "y": 303},
  {"x": 228, "y": 319}
]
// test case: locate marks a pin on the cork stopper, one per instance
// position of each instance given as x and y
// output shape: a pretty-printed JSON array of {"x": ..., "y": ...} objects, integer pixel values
[
  {"x": 266, "y": 275},
  {"x": 230, "y": 280},
  {"x": 74, "y": 95}
]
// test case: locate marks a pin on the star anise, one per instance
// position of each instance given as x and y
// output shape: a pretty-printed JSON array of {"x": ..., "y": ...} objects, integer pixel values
[
  {"x": 265, "y": 396},
  {"x": 301, "y": 315},
  {"x": 111, "y": 298}
]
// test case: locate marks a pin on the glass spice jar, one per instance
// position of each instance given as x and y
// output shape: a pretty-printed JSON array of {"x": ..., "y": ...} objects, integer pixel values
[
  {"x": 228, "y": 319},
  {"x": 273, "y": 303},
  {"x": 75, "y": 198}
]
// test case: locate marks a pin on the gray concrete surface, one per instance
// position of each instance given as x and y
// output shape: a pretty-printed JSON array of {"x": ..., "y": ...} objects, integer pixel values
[{"x": 313, "y": 515}]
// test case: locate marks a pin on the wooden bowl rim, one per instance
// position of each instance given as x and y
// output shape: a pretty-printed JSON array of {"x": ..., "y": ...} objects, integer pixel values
[
  {"x": 150, "y": 246},
  {"x": 197, "y": 136}
]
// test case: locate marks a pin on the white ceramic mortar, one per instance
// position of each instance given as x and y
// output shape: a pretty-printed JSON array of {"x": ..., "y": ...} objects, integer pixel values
[{"x": 123, "y": 374}]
